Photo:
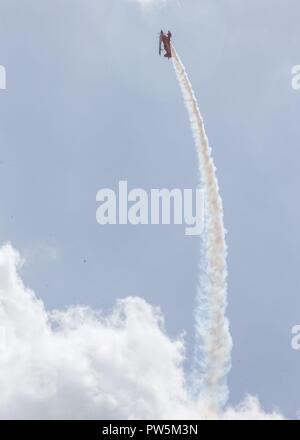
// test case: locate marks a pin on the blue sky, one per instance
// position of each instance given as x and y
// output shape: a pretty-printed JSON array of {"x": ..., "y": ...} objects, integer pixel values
[{"x": 89, "y": 103}]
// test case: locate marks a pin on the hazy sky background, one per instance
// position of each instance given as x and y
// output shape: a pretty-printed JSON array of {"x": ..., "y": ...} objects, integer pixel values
[{"x": 89, "y": 103}]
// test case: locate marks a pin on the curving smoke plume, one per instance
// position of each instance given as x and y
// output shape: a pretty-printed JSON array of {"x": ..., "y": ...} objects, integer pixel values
[
  {"x": 79, "y": 363},
  {"x": 212, "y": 329}
]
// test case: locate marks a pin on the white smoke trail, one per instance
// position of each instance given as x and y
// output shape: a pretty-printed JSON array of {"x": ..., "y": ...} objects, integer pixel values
[{"x": 212, "y": 328}]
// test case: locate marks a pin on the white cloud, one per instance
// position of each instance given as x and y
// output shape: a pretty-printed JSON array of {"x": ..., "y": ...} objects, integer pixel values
[
  {"x": 79, "y": 363},
  {"x": 250, "y": 409}
]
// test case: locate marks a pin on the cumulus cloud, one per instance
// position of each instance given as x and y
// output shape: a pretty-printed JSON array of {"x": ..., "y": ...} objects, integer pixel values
[
  {"x": 81, "y": 363},
  {"x": 250, "y": 409}
]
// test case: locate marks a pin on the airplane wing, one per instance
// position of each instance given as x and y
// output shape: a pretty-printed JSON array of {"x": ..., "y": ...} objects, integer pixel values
[{"x": 160, "y": 41}]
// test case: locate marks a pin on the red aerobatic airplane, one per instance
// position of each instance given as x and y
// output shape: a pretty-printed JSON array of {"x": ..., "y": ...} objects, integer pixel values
[{"x": 165, "y": 40}]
